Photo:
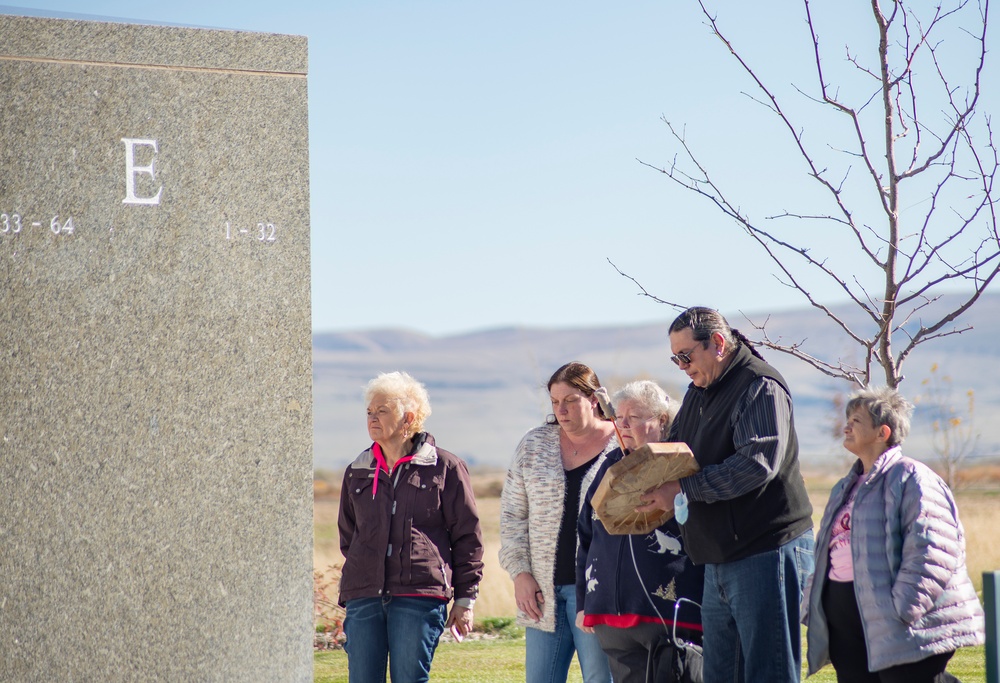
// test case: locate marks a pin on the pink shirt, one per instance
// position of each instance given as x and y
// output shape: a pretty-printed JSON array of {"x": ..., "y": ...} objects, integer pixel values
[{"x": 841, "y": 562}]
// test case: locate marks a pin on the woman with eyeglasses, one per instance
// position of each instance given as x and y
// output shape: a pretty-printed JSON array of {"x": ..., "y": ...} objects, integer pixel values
[
  {"x": 410, "y": 535},
  {"x": 552, "y": 468},
  {"x": 891, "y": 599},
  {"x": 627, "y": 585}
]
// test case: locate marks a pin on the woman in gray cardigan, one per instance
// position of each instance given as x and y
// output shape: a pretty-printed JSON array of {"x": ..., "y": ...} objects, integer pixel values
[
  {"x": 891, "y": 599},
  {"x": 552, "y": 470}
]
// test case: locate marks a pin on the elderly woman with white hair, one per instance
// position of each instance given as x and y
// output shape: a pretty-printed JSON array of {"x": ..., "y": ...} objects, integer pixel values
[
  {"x": 891, "y": 598},
  {"x": 410, "y": 535},
  {"x": 627, "y": 585}
]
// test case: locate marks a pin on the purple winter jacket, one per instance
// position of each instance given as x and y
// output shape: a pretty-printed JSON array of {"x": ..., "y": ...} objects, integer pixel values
[
  {"x": 910, "y": 579},
  {"x": 418, "y": 535}
]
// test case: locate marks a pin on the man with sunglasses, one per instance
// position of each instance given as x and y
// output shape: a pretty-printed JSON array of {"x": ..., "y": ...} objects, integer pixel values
[{"x": 749, "y": 519}]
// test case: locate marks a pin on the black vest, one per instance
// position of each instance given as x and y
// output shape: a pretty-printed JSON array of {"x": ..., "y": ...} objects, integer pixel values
[{"x": 762, "y": 519}]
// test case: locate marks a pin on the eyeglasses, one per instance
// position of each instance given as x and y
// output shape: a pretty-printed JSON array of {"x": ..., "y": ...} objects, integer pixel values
[
  {"x": 628, "y": 420},
  {"x": 683, "y": 357}
]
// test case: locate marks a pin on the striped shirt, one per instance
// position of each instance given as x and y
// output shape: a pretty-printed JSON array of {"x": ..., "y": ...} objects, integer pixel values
[{"x": 762, "y": 423}]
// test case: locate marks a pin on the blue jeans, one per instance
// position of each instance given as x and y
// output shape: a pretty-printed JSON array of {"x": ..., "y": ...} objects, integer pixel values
[
  {"x": 404, "y": 631},
  {"x": 750, "y": 612},
  {"x": 548, "y": 655}
]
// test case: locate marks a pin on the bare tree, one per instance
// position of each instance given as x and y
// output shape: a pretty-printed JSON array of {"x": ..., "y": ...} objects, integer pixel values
[{"x": 911, "y": 136}]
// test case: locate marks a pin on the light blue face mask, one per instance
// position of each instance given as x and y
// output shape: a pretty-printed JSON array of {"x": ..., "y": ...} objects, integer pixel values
[{"x": 681, "y": 507}]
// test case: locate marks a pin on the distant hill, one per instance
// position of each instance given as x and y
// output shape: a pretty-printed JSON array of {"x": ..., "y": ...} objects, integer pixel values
[{"x": 487, "y": 388}]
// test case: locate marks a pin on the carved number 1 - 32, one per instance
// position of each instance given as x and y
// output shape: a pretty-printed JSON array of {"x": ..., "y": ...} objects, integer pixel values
[{"x": 265, "y": 232}]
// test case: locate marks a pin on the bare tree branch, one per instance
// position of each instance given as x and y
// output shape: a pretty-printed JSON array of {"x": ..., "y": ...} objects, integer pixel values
[
  {"x": 643, "y": 292},
  {"x": 935, "y": 149}
]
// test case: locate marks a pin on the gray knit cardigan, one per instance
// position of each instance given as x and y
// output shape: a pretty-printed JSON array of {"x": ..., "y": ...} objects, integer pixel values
[
  {"x": 908, "y": 548},
  {"x": 531, "y": 508}
]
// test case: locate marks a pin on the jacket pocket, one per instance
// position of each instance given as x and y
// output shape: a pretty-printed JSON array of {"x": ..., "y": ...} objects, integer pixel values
[
  {"x": 425, "y": 567},
  {"x": 734, "y": 530},
  {"x": 354, "y": 575},
  {"x": 359, "y": 483},
  {"x": 425, "y": 498}
]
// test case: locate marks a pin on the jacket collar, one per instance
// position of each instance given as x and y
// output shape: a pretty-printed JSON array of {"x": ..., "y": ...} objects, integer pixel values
[
  {"x": 424, "y": 453},
  {"x": 883, "y": 463},
  {"x": 880, "y": 465},
  {"x": 741, "y": 357}
]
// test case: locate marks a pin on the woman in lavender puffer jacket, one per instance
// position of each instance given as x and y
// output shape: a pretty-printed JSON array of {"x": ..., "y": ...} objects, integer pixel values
[{"x": 891, "y": 599}]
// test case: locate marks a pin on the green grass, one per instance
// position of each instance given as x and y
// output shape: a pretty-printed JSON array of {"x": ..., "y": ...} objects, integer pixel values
[
  {"x": 493, "y": 661},
  {"x": 968, "y": 665},
  {"x": 502, "y": 661}
]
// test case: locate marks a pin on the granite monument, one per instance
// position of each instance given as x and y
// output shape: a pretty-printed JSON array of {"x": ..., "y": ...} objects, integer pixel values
[{"x": 155, "y": 354}]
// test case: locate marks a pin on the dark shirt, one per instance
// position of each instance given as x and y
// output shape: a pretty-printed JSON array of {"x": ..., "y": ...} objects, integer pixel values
[{"x": 566, "y": 548}]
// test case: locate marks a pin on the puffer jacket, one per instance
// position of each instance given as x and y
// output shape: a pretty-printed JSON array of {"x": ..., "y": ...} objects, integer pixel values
[
  {"x": 531, "y": 509},
  {"x": 418, "y": 534},
  {"x": 908, "y": 549}
]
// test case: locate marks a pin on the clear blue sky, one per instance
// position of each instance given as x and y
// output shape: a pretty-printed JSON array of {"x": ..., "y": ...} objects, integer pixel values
[{"x": 473, "y": 164}]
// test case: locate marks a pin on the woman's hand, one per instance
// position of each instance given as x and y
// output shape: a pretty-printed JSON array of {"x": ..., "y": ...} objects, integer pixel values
[
  {"x": 661, "y": 498},
  {"x": 528, "y": 596},
  {"x": 579, "y": 623},
  {"x": 461, "y": 619}
]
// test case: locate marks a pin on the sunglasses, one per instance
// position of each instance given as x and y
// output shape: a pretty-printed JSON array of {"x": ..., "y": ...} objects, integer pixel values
[{"x": 683, "y": 357}]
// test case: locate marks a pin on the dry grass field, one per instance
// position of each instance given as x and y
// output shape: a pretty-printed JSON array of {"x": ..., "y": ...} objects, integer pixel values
[{"x": 979, "y": 507}]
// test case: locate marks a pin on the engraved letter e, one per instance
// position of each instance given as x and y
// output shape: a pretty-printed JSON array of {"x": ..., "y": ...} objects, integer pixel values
[{"x": 131, "y": 169}]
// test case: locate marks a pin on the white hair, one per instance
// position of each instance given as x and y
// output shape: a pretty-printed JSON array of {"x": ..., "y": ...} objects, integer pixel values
[
  {"x": 649, "y": 395},
  {"x": 404, "y": 394}
]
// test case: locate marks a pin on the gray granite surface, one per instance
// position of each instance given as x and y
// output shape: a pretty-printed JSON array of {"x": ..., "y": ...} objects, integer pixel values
[
  {"x": 155, "y": 354},
  {"x": 131, "y": 44}
]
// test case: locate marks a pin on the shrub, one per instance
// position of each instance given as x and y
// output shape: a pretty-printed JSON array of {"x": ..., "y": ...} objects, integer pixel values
[
  {"x": 327, "y": 614},
  {"x": 501, "y": 627}
]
